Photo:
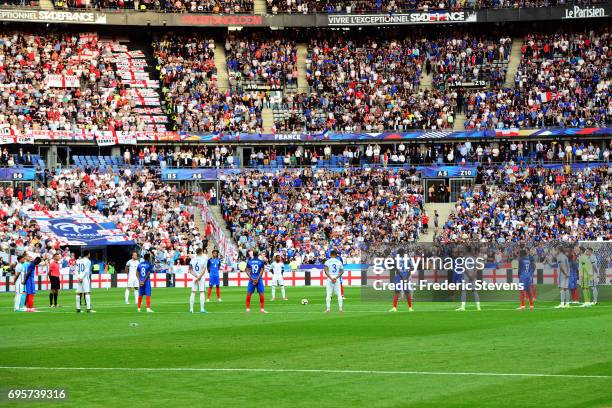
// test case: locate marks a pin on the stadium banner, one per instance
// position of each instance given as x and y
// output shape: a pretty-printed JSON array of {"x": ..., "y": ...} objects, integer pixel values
[
  {"x": 448, "y": 171},
  {"x": 17, "y": 174},
  {"x": 63, "y": 81},
  {"x": 151, "y": 18},
  {"x": 227, "y": 248},
  {"x": 156, "y": 117},
  {"x": 416, "y": 135},
  {"x": 171, "y": 174},
  {"x": 86, "y": 229},
  {"x": 380, "y": 19},
  {"x": 52, "y": 16}
]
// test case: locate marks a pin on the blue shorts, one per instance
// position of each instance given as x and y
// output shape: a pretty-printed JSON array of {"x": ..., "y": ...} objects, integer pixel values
[
  {"x": 572, "y": 282},
  {"x": 144, "y": 290},
  {"x": 213, "y": 280},
  {"x": 526, "y": 281},
  {"x": 30, "y": 287},
  {"x": 260, "y": 287}
]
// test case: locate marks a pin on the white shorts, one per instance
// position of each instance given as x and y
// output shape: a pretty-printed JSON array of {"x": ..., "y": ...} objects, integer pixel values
[
  {"x": 333, "y": 288},
  {"x": 133, "y": 282},
  {"x": 563, "y": 281},
  {"x": 83, "y": 287},
  {"x": 198, "y": 286},
  {"x": 278, "y": 281}
]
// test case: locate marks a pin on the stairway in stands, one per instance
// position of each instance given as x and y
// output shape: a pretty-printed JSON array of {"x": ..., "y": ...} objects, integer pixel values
[
  {"x": 221, "y": 65},
  {"x": 513, "y": 64},
  {"x": 302, "y": 54},
  {"x": 444, "y": 210},
  {"x": 267, "y": 117},
  {"x": 260, "y": 7},
  {"x": 426, "y": 81},
  {"x": 135, "y": 66}
]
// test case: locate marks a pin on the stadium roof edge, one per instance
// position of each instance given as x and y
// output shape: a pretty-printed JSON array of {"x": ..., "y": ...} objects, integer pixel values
[{"x": 136, "y": 18}]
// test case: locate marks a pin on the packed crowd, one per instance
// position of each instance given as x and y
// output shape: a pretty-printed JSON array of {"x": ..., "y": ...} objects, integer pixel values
[
  {"x": 534, "y": 204},
  {"x": 394, "y": 6},
  {"x": 260, "y": 60},
  {"x": 467, "y": 58},
  {"x": 170, "y": 6},
  {"x": 401, "y": 154},
  {"x": 189, "y": 81},
  {"x": 62, "y": 81},
  {"x": 361, "y": 84},
  {"x": 217, "y": 156},
  {"x": 304, "y": 214},
  {"x": 153, "y": 214},
  {"x": 563, "y": 80}
]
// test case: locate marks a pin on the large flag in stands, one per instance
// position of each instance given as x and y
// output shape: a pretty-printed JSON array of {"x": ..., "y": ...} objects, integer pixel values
[{"x": 79, "y": 228}]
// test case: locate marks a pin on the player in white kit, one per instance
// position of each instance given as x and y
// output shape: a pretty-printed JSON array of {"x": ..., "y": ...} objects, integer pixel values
[
  {"x": 18, "y": 282},
  {"x": 197, "y": 268},
  {"x": 131, "y": 268},
  {"x": 83, "y": 287},
  {"x": 333, "y": 270},
  {"x": 277, "y": 268}
]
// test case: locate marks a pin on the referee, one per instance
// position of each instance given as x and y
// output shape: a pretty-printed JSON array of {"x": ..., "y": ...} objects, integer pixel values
[{"x": 54, "y": 278}]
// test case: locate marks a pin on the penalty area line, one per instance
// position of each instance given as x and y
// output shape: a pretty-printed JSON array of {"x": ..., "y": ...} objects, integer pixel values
[{"x": 309, "y": 371}]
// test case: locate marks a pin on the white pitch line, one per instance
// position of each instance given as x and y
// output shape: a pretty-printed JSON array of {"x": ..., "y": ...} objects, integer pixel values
[{"x": 307, "y": 371}]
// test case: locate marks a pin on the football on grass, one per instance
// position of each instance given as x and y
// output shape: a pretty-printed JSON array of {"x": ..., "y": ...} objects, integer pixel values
[{"x": 304, "y": 301}]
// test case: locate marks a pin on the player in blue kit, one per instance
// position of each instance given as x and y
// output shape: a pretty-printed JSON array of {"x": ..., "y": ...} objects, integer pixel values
[
  {"x": 214, "y": 266},
  {"x": 144, "y": 273},
  {"x": 525, "y": 278},
  {"x": 255, "y": 269},
  {"x": 403, "y": 280}
]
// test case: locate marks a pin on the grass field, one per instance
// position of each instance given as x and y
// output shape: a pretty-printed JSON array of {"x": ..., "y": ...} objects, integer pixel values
[{"x": 297, "y": 356}]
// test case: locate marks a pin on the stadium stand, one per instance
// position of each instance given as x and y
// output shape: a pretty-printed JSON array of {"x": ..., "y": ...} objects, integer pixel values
[
  {"x": 533, "y": 203},
  {"x": 563, "y": 80},
  {"x": 189, "y": 79},
  {"x": 303, "y": 214}
]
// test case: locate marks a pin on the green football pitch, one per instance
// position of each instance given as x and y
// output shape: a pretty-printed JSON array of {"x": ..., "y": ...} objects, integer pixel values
[{"x": 298, "y": 356}]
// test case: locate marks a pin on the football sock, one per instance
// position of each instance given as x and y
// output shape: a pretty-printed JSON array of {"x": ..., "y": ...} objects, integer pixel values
[
  {"x": 55, "y": 298},
  {"x": 533, "y": 291},
  {"x": 248, "y": 301},
  {"x": 342, "y": 290},
  {"x": 586, "y": 293},
  {"x": 17, "y": 303},
  {"x": 395, "y": 298},
  {"x": 127, "y": 295},
  {"x": 148, "y": 302},
  {"x": 283, "y": 291},
  {"x": 139, "y": 301},
  {"x": 522, "y": 298},
  {"x": 51, "y": 299},
  {"x": 78, "y": 302},
  {"x": 218, "y": 292},
  {"x": 135, "y": 296},
  {"x": 88, "y": 300},
  {"x": 409, "y": 300},
  {"x": 191, "y": 301},
  {"x": 340, "y": 299},
  {"x": 562, "y": 296},
  {"x": 209, "y": 291},
  {"x": 595, "y": 294},
  {"x": 530, "y": 296},
  {"x": 201, "y": 300},
  {"x": 273, "y": 291}
]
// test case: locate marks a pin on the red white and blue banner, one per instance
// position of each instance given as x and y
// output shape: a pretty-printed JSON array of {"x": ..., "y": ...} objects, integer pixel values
[{"x": 87, "y": 229}]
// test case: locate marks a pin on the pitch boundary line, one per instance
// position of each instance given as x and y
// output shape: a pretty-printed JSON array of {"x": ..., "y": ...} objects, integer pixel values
[{"x": 309, "y": 371}]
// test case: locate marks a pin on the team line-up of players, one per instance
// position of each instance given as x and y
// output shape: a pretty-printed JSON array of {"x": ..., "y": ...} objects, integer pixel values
[
  {"x": 580, "y": 271},
  {"x": 139, "y": 272}
]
